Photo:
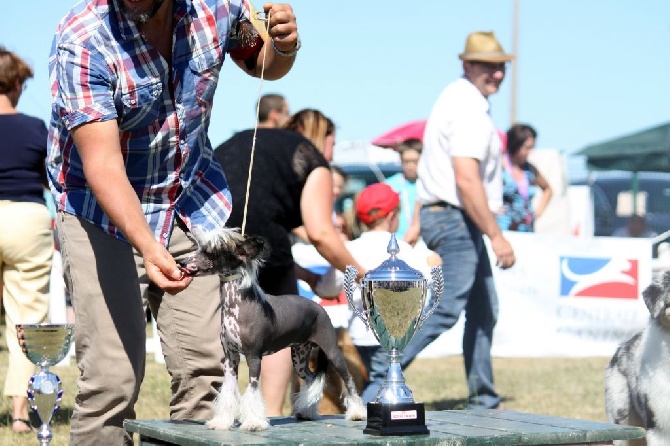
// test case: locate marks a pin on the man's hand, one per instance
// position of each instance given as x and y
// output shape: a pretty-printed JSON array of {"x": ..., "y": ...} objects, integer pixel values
[
  {"x": 282, "y": 27},
  {"x": 163, "y": 270},
  {"x": 505, "y": 257}
]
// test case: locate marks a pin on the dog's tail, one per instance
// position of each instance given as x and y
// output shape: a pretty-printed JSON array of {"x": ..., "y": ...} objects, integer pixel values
[{"x": 307, "y": 400}]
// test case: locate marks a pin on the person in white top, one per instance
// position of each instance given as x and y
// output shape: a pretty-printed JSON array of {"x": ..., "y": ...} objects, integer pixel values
[
  {"x": 378, "y": 207},
  {"x": 459, "y": 189}
]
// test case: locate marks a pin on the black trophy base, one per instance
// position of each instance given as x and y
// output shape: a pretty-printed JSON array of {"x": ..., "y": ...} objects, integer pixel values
[{"x": 396, "y": 419}]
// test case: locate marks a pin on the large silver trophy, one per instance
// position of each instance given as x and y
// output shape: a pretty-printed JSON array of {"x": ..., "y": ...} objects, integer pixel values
[
  {"x": 394, "y": 296},
  {"x": 45, "y": 345}
]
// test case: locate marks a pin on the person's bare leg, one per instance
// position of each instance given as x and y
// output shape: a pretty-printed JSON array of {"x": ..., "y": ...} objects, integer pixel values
[
  {"x": 20, "y": 412},
  {"x": 276, "y": 372}
]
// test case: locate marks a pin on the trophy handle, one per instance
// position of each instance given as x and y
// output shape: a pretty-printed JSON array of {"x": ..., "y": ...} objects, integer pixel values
[
  {"x": 350, "y": 274},
  {"x": 437, "y": 287}
]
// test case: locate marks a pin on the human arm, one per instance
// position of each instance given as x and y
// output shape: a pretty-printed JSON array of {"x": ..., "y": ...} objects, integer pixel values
[
  {"x": 301, "y": 233},
  {"x": 306, "y": 276},
  {"x": 475, "y": 204},
  {"x": 547, "y": 192},
  {"x": 283, "y": 32},
  {"x": 414, "y": 230},
  {"x": 316, "y": 209},
  {"x": 100, "y": 151}
]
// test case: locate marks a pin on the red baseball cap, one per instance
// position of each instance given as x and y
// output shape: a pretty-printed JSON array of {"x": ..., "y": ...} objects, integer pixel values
[{"x": 376, "y": 201}]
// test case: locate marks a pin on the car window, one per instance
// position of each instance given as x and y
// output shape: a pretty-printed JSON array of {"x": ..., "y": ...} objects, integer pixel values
[
  {"x": 360, "y": 176},
  {"x": 609, "y": 191}
]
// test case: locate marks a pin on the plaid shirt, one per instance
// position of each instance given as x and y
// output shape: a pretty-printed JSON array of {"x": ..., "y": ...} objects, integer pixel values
[{"x": 101, "y": 68}]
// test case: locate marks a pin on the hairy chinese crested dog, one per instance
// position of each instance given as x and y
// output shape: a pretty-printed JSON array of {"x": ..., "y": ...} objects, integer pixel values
[
  {"x": 637, "y": 379},
  {"x": 255, "y": 324}
]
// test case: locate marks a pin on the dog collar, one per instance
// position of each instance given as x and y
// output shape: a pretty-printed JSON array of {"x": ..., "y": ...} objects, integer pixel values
[{"x": 231, "y": 277}]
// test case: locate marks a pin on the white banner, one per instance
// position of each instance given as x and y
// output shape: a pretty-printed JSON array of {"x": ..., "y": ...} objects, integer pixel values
[{"x": 565, "y": 296}]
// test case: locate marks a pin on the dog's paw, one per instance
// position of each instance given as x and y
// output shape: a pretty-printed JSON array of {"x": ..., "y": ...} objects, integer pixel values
[
  {"x": 309, "y": 414},
  {"x": 256, "y": 424},
  {"x": 356, "y": 410},
  {"x": 220, "y": 423}
]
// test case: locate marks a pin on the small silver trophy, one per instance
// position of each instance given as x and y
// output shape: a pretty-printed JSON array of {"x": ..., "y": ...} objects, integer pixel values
[
  {"x": 45, "y": 345},
  {"x": 394, "y": 296}
]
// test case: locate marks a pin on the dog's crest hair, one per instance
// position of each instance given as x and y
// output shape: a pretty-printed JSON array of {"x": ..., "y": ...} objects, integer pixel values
[{"x": 218, "y": 240}]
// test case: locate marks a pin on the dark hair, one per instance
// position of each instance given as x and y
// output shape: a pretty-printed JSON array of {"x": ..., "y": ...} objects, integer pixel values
[
  {"x": 269, "y": 103},
  {"x": 338, "y": 170},
  {"x": 410, "y": 144},
  {"x": 517, "y": 136},
  {"x": 12, "y": 68}
]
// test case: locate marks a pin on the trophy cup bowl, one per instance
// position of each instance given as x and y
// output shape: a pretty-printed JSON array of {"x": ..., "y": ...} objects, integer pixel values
[
  {"x": 394, "y": 297},
  {"x": 45, "y": 345}
]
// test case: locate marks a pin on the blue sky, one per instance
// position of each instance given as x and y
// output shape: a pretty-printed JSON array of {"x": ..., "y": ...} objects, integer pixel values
[{"x": 588, "y": 70}]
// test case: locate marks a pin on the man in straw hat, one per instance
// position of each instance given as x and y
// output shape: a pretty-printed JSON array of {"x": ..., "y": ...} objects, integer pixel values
[{"x": 459, "y": 189}]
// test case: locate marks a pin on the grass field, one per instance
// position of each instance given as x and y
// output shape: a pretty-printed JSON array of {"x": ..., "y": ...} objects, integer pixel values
[{"x": 568, "y": 387}]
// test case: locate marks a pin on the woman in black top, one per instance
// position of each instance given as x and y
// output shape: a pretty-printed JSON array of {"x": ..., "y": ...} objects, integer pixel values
[
  {"x": 291, "y": 185},
  {"x": 26, "y": 239}
]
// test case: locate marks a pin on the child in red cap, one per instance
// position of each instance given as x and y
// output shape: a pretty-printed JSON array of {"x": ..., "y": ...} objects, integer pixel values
[{"x": 376, "y": 201}]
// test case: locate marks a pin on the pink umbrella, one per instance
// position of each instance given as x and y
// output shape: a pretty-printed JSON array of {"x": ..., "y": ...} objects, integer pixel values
[
  {"x": 414, "y": 130},
  {"x": 410, "y": 130}
]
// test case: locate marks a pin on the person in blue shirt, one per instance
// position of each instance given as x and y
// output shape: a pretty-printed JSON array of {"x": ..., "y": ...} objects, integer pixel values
[{"x": 404, "y": 183}]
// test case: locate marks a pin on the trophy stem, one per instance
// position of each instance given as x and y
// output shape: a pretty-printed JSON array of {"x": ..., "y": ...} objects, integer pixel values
[
  {"x": 395, "y": 375},
  {"x": 44, "y": 435},
  {"x": 394, "y": 389},
  {"x": 44, "y": 395}
]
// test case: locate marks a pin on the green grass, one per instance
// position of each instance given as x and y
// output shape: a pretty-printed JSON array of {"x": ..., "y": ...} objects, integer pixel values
[{"x": 568, "y": 387}]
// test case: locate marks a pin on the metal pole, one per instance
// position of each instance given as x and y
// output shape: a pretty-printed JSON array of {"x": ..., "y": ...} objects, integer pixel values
[{"x": 515, "y": 64}]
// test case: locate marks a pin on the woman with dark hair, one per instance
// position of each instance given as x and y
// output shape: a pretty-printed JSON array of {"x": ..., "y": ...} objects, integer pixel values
[{"x": 521, "y": 181}]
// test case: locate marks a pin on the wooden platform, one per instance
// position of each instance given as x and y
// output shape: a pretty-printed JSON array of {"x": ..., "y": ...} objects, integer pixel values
[{"x": 450, "y": 427}]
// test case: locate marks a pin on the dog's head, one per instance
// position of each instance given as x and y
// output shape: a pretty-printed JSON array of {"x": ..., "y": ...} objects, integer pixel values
[
  {"x": 657, "y": 299},
  {"x": 226, "y": 253}
]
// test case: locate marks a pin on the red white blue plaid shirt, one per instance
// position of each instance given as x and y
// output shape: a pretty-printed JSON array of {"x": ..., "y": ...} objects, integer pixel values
[{"x": 101, "y": 68}]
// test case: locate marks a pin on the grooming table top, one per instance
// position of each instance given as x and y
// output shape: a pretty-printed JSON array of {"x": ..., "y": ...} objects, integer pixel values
[{"x": 452, "y": 427}]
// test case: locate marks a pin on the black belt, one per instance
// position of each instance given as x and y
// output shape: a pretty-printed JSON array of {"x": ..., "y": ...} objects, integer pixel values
[{"x": 440, "y": 204}]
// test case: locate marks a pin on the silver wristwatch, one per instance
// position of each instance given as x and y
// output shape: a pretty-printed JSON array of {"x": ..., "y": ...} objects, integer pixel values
[{"x": 287, "y": 53}]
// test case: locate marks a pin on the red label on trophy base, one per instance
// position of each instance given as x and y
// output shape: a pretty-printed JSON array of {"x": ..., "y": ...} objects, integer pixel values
[{"x": 403, "y": 415}]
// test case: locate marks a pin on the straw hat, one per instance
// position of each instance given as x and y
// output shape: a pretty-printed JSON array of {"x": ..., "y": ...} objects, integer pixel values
[{"x": 483, "y": 46}]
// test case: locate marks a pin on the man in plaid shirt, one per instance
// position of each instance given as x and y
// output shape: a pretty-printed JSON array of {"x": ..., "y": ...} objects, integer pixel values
[{"x": 132, "y": 172}]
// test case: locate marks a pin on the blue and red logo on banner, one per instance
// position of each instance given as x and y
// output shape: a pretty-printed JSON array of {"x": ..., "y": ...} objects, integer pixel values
[{"x": 612, "y": 277}]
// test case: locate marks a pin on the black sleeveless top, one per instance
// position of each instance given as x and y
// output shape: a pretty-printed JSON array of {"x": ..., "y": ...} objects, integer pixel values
[{"x": 283, "y": 159}]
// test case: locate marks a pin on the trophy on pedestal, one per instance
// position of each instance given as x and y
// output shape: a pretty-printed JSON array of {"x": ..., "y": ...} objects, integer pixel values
[
  {"x": 394, "y": 296},
  {"x": 45, "y": 345}
]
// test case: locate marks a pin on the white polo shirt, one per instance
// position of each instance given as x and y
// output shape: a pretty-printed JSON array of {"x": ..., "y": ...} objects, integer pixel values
[{"x": 459, "y": 125}]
